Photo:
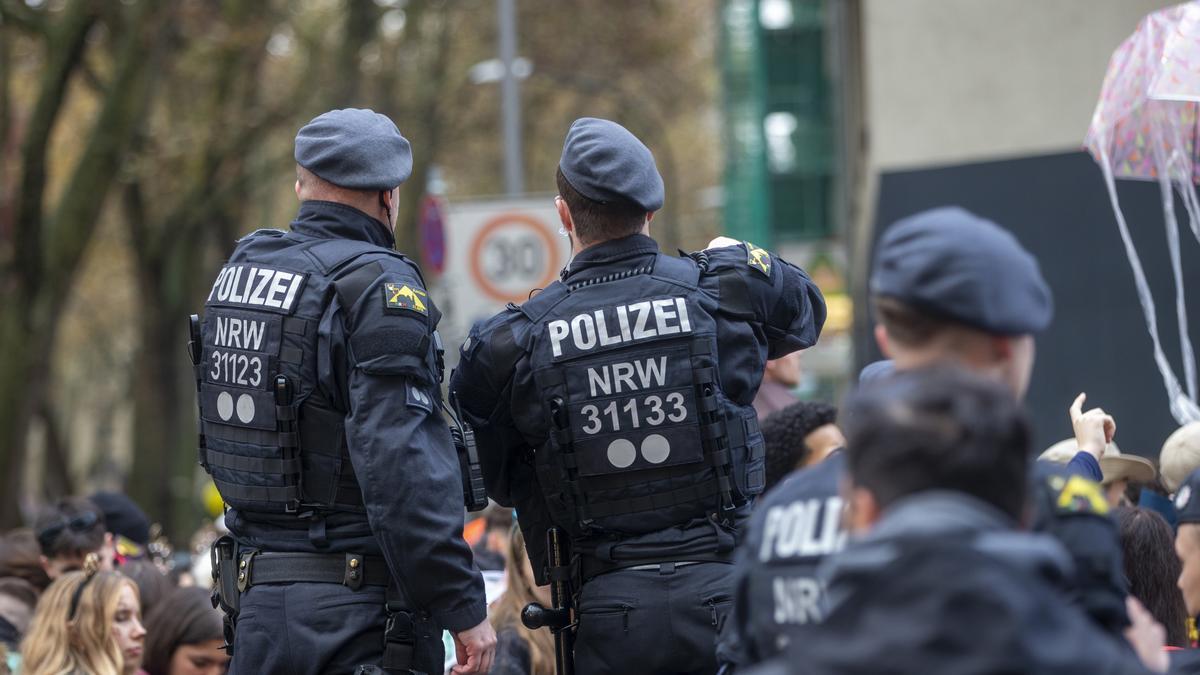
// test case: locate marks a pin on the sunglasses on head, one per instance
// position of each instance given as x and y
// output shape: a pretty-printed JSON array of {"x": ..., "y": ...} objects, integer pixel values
[{"x": 80, "y": 523}]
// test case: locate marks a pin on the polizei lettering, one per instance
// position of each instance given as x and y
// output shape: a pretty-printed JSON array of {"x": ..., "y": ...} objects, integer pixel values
[
  {"x": 618, "y": 325},
  {"x": 256, "y": 287},
  {"x": 803, "y": 528}
]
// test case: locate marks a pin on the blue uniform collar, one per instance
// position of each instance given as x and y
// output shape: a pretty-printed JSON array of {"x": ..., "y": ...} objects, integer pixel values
[
  {"x": 613, "y": 250},
  {"x": 331, "y": 220}
]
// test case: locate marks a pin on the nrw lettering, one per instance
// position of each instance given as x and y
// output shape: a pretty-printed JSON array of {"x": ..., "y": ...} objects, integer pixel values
[
  {"x": 244, "y": 334},
  {"x": 616, "y": 378}
]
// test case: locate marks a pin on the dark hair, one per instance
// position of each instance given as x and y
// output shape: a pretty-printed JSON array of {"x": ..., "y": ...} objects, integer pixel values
[
  {"x": 72, "y": 526},
  {"x": 152, "y": 584},
  {"x": 938, "y": 429},
  {"x": 184, "y": 617},
  {"x": 784, "y": 431},
  {"x": 20, "y": 556},
  {"x": 599, "y": 221},
  {"x": 1151, "y": 567},
  {"x": 907, "y": 325}
]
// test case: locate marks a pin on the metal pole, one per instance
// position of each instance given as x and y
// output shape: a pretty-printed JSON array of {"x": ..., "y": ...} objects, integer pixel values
[{"x": 510, "y": 99}]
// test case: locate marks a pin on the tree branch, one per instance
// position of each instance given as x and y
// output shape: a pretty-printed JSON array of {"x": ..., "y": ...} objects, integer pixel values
[
  {"x": 75, "y": 218},
  {"x": 64, "y": 53}
]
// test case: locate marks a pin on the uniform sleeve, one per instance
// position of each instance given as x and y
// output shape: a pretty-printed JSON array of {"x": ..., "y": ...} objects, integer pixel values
[
  {"x": 402, "y": 452},
  {"x": 1086, "y": 465},
  {"x": 756, "y": 285},
  {"x": 483, "y": 383}
]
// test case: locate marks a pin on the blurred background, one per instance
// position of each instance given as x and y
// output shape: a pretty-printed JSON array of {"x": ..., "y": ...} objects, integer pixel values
[{"x": 140, "y": 138}]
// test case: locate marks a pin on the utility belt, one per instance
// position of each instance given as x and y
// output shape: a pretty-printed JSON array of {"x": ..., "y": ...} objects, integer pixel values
[
  {"x": 591, "y": 567},
  {"x": 237, "y": 568}
]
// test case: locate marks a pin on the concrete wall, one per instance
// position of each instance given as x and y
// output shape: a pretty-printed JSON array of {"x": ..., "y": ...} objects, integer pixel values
[{"x": 952, "y": 81}]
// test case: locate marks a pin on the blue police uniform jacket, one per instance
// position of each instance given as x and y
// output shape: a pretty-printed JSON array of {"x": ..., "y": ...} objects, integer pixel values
[
  {"x": 319, "y": 402},
  {"x": 616, "y": 403},
  {"x": 795, "y": 526}
]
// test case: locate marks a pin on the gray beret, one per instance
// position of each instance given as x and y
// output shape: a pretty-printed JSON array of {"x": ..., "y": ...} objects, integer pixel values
[
  {"x": 954, "y": 264},
  {"x": 606, "y": 163},
  {"x": 355, "y": 149}
]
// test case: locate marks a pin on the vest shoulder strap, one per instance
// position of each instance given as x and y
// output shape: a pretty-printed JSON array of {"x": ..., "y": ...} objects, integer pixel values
[
  {"x": 332, "y": 255},
  {"x": 682, "y": 271},
  {"x": 540, "y": 305}
]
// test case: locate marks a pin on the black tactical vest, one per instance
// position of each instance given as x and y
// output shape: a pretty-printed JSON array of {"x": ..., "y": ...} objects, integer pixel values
[
  {"x": 271, "y": 440},
  {"x": 641, "y": 436}
]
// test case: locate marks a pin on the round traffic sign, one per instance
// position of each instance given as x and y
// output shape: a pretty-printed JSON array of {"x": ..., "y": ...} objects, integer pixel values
[{"x": 512, "y": 254}]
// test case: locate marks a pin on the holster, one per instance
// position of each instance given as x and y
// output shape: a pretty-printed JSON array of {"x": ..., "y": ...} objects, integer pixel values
[
  {"x": 404, "y": 629},
  {"x": 226, "y": 593}
]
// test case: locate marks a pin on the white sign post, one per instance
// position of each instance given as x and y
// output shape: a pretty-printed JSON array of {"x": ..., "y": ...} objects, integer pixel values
[{"x": 497, "y": 252}]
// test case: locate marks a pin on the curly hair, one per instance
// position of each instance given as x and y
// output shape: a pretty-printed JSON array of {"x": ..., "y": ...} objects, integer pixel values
[{"x": 784, "y": 432}]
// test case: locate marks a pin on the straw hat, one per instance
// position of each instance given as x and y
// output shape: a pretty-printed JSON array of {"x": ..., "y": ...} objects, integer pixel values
[{"x": 1113, "y": 464}]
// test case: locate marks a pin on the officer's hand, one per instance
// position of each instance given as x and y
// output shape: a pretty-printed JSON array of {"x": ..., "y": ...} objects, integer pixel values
[
  {"x": 1147, "y": 636},
  {"x": 722, "y": 241},
  {"x": 1094, "y": 429},
  {"x": 475, "y": 649}
]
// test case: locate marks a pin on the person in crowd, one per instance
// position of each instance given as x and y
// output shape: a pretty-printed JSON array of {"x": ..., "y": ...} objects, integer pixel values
[
  {"x": 21, "y": 556},
  {"x": 652, "y": 494},
  {"x": 800, "y": 435},
  {"x": 938, "y": 579},
  {"x": 489, "y": 550},
  {"x": 87, "y": 622},
  {"x": 350, "y": 551},
  {"x": 186, "y": 635},
  {"x": 1151, "y": 566},
  {"x": 18, "y": 599},
  {"x": 1118, "y": 470},
  {"x": 520, "y": 651},
  {"x": 151, "y": 582},
  {"x": 1180, "y": 456},
  {"x": 126, "y": 522},
  {"x": 949, "y": 288},
  {"x": 780, "y": 377},
  {"x": 70, "y": 530},
  {"x": 1187, "y": 548}
]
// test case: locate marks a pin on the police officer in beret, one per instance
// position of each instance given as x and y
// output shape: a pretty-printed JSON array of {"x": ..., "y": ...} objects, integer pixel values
[
  {"x": 948, "y": 287},
  {"x": 318, "y": 366},
  {"x": 937, "y": 578},
  {"x": 615, "y": 404}
]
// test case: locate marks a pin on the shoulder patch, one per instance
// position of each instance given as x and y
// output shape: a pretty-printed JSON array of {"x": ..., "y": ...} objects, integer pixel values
[
  {"x": 1080, "y": 495},
  {"x": 400, "y": 296},
  {"x": 758, "y": 259},
  {"x": 417, "y": 398}
]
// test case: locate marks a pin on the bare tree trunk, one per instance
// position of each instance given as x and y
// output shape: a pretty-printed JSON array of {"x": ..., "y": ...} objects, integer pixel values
[{"x": 48, "y": 250}]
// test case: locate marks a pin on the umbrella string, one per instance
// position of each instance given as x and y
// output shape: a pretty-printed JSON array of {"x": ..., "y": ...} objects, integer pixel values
[{"x": 1183, "y": 408}]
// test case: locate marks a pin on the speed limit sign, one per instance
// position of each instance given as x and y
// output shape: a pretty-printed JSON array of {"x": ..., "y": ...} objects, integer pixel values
[
  {"x": 498, "y": 251},
  {"x": 511, "y": 254}
]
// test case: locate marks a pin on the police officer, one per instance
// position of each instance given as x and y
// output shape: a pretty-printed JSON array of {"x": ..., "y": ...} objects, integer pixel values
[
  {"x": 616, "y": 405},
  {"x": 938, "y": 579},
  {"x": 318, "y": 369},
  {"x": 949, "y": 287}
]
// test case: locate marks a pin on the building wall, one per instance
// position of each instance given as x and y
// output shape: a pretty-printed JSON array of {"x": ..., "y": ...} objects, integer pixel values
[
  {"x": 985, "y": 104},
  {"x": 950, "y": 81}
]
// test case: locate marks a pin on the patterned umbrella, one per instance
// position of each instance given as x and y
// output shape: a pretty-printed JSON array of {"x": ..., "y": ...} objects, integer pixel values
[{"x": 1145, "y": 127}]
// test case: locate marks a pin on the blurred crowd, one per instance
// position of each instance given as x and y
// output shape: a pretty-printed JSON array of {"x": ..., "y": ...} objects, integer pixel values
[{"x": 92, "y": 588}]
